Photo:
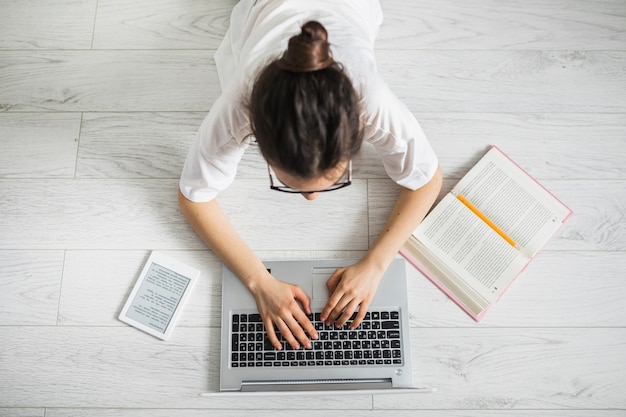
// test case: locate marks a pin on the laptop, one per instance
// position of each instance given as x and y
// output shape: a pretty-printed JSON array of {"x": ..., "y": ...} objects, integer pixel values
[{"x": 374, "y": 356}]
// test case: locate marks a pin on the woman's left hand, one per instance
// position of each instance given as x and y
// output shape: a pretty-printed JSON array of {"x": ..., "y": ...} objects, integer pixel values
[{"x": 350, "y": 288}]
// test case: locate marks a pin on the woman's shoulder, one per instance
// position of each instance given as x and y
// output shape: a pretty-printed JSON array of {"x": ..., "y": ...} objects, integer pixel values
[
  {"x": 379, "y": 103},
  {"x": 228, "y": 119}
]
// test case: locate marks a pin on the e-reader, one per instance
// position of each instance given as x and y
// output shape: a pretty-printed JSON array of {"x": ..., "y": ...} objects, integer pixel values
[{"x": 159, "y": 295}]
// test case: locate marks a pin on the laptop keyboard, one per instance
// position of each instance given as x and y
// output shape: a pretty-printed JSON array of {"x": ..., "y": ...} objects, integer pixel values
[{"x": 377, "y": 341}]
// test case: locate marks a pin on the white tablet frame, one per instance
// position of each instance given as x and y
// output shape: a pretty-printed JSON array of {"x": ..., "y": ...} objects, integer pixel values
[{"x": 167, "y": 262}]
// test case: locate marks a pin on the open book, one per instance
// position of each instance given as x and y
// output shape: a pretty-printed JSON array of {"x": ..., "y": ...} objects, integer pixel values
[{"x": 482, "y": 235}]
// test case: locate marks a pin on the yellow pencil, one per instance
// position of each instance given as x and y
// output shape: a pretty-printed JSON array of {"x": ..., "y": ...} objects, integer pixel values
[{"x": 486, "y": 220}]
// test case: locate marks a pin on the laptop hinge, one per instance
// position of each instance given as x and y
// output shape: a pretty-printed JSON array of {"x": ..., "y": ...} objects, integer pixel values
[{"x": 316, "y": 385}]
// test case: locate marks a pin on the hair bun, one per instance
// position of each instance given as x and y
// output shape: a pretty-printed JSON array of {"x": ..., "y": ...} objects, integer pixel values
[{"x": 309, "y": 51}]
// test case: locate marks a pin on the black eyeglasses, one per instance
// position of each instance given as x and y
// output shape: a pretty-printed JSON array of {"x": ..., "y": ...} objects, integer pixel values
[{"x": 285, "y": 189}]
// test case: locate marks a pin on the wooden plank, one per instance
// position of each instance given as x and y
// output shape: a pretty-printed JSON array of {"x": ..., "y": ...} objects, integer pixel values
[
  {"x": 192, "y": 24},
  {"x": 554, "y": 291},
  {"x": 334, "y": 221},
  {"x": 107, "y": 81},
  {"x": 548, "y": 145},
  {"x": 22, "y": 412},
  {"x": 105, "y": 367},
  {"x": 507, "y": 81},
  {"x": 139, "y": 214},
  {"x": 135, "y": 145},
  {"x": 316, "y": 412},
  {"x": 517, "y": 368},
  {"x": 597, "y": 223},
  {"x": 155, "y": 145},
  {"x": 55, "y": 24},
  {"x": 540, "y": 297},
  {"x": 480, "y": 24},
  {"x": 38, "y": 145},
  {"x": 91, "y": 367},
  {"x": 30, "y": 286},
  {"x": 85, "y": 214},
  {"x": 474, "y": 81},
  {"x": 114, "y": 274}
]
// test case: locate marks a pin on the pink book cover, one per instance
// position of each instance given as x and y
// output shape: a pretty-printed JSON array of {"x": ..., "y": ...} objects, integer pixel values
[{"x": 445, "y": 290}]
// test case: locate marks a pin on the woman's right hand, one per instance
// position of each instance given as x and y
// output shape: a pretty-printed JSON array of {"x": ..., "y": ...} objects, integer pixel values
[
  {"x": 286, "y": 307},
  {"x": 278, "y": 302}
]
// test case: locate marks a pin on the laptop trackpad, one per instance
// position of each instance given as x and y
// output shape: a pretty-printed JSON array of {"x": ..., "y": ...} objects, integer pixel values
[{"x": 320, "y": 276}]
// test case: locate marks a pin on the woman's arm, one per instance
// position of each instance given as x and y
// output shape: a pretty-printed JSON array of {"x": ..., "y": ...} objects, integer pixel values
[
  {"x": 355, "y": 286},
  {"x": 277, "y": 301}
]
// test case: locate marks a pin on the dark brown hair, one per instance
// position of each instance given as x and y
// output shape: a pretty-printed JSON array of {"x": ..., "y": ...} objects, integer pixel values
[{"x": 304, "y": 109}]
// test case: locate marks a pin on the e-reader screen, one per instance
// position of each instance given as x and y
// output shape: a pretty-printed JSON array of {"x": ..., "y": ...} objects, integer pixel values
[{"x": 158, "y": 297}]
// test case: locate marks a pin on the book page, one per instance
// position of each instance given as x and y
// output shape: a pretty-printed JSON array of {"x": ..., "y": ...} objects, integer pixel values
[
  {"x": 480, "y": 258},
  {"x": 513, "y": 201},
  {"x": 444, "y": 277}
]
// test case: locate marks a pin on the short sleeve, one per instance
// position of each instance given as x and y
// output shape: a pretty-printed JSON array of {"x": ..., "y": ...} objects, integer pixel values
[
  {"x": 211, "y": 164},
  {"x": 397, "y": 136}
]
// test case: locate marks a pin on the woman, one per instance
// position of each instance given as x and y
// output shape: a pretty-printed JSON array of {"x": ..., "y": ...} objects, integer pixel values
[{"x": 309, "y": 105}]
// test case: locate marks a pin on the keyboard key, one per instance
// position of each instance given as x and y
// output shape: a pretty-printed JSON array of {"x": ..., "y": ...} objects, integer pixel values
[{"x": 391, "y": 324}]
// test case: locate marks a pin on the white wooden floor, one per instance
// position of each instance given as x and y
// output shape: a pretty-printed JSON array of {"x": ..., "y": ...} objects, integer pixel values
[{"x": 99, "y": 102}]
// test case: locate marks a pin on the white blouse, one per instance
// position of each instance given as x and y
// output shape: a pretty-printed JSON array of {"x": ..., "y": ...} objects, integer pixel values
[{"x": 259, "y": 32}]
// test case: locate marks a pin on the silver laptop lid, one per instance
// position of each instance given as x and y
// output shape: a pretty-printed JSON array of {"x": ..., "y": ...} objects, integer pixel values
[{"x": 312, "y": 275}]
